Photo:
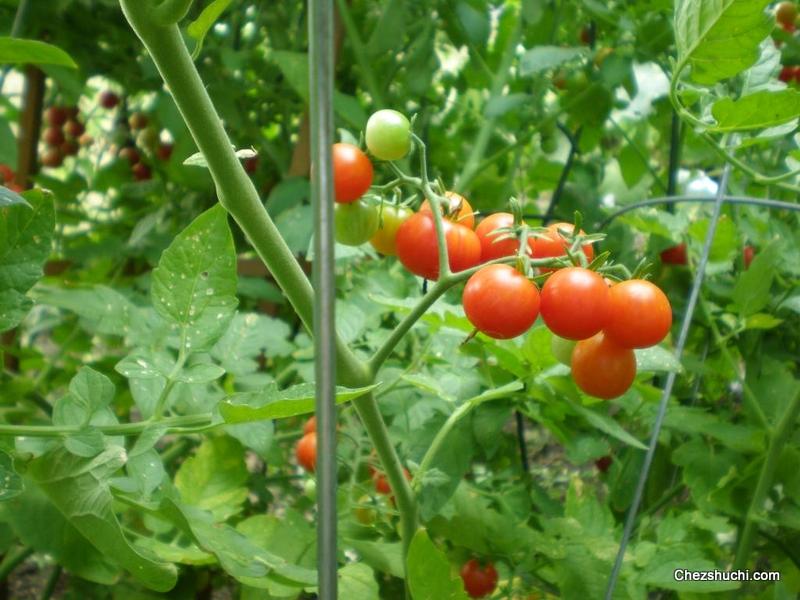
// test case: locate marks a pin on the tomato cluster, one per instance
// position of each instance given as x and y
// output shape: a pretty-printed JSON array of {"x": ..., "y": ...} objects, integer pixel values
[
  {"x": 306, "y": 449},
  {"x": 64, "y": 133},
  {"x": 598, "y": 322}
]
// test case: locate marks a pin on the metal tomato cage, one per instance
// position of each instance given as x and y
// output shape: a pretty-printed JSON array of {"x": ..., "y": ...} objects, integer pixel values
[{"x": 321, "y": 75}]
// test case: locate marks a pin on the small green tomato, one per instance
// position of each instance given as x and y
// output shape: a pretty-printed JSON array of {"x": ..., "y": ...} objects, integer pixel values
[{"x": 388, "y": 135}]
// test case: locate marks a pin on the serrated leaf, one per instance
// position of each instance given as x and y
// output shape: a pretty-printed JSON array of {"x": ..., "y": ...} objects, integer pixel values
[
  {"x": 33, "y": 52},
  {"x": 656, "y": 359},
  {"x": 752, "y": 290},
  {"x": 11, "y": 484},
  {"x": 543, "y": 58},
  {"x": 759, "y": 110},
  {"x": 719, "y": 38},
  {"x": 79, "y": 489},
  {"x": 194, "y": 284},
  {"x": 272, "y": 403},
  {"x": 200, "y": 373},
  {"x": 607, "y": 425}
]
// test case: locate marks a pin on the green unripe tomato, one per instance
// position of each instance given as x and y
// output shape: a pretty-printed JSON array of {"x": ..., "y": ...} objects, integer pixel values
[
  {"x": 388, "y": 135},
  {"x": 365, "y": 514},
  {"x": 310, "y": 489},
  {"x": 355, "y": 223},
  {"x": 549, "y": 144},
  {"x": 562, "y": 349}
]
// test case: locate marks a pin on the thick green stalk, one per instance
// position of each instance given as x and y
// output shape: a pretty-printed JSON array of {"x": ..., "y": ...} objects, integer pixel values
[
  {"x": 239, "y": 197},
  {"x": 777, "y": 442}
]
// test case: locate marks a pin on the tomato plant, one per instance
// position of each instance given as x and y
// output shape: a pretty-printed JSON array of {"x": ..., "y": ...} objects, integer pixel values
[{"x": 575, "y": 303}]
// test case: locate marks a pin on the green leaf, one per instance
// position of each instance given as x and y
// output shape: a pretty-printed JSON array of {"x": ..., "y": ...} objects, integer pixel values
[
  {"x": 294, "y": 66},
  {"x": 429, "y": 573},
  {"x": 11, "y": 484},
  {"x": 200, "y": 373},
  {"x": 248, "y": 337},
  {"x": 239, "y": 556},
  {"x": 542, "y": 58},
  {"x": 386, "y": 557},
  {"x": 759, "y": 110},
  {"x": 198, "y": 28},
  {"x": 357, "y": 580},
  {"x": 606, "y": 424},
  {"x": 658, "y": 359},
  {"x": 25, "y": 239},
  {"x": 752, "y": 290},
  {"x": 11, "y": 198},
  {"x": 215, "y": 478},
  {"x": 32, "y": 52},
  {"x": 719, "y": 38},
  {"x": 194, "y": 284},
  {"x": 102, "y": 309},
  {"x": 79, "y": 489},
  {"x": 36, "y": 521},
  {"x": 632, "y": 165},
  {"x": 272, "y": 403}
]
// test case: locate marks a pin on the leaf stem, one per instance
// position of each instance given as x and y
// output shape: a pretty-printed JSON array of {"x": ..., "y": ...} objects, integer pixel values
[{"x": 173, "y": 425}]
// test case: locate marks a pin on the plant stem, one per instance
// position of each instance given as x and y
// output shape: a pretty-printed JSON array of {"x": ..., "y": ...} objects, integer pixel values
[
  {"x": 777, "y": 441},
  {"x": 562, "y": 180},
  {"x": 674, "y": 155},
  {"x": 173, "y": 425},
  {"x": 52, "y": 582},
  {"x": 12, "y": 560}
]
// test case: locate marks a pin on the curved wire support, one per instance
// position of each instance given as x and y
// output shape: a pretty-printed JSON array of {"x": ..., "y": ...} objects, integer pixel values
[
  {"x": 777, "y": 204},
  {"x": 694, "y": 296}
]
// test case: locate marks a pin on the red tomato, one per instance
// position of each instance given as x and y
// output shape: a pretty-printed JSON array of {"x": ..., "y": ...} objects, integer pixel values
[
  {"x": 787, "y": 73},
  {"x": 478, "y": 582},
  {"x": 676, "y": 255},
  {"x": 52, "y": 158},
  {"x": 310, "y": 425},
  {"x": 491, "y": 249},
  {"x": 555, "y": 244},
  {"x": 250, "y": 164},
  {"x": 6, "y": 173},
  {"x": 15, "y": 187},
  {"x": 417, "y": 246},
  {"x": 786, "y": 13},
  {"x": 306, "y": 451},
  {"x": 141, "y": 172},
  {"x": 56, "y": 115},
  {"x": 108, "y": 99},
  {"x": 164, "y": 151},
  {"x": 382, "y": 484},
  {"x": 53, "y": 136},
  {"x": 575, "y": 303},
  {"x": 748, "y": 253},
  {"x": 640, "y": 314},
  {"x": 603, "y": 463},
  {"x": 352, "y": 172},
  {"x": 501, "y": 302},
  {"x": 601, "y": 368},
  {"x": 130, "y": 154},
  {"x": 74, "y": 128},
  {"x": 458, "y": 209}
]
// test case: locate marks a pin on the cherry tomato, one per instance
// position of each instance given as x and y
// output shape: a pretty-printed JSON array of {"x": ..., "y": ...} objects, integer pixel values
[
  {"x": 491, "y": 249},
  {"x": 786, "y": 13},
  {"x": 310, "y": 425},
  {"x": 69, "y": 148},
  {"x": 138, "y": 121},
  {"x": 601, "y": 368},
  {"x": 640, "y": 314},
  {"x": 355, "y": 222},
  {"x": 417, "y": 246},
  {"x": 56, "y": 116},
  {"x": 74, "y": 128},
  {"x": 555, "y": 244},
  {"x": 141, "y": 172},
  {"x": 478, "y": 581},
  {"x": 6, "y": 172},
  {"x": 250, "y": 164},
  {"x": 14, "y": 187},
  {"x": 85, "y": 140},
  {"x": 789, "y": 27},
  {"x": 391, "y": 217},
  {"x": 458, "y": 209},
  {"x": 500, "y": 301},
  {"x": 562, "y": 349},
  {"x": 306, "y": 451},
  {"x": 575, "y": 303},
  {"x": 748, "y": 253},
  {"x": 603, "y": 463},
  {"x": 53, "y": 136},
  {"x": 382, "y": 484},
  {"x": 364, "y": 512},
  {"x": 108, "y": 99},
  {"x": 164, "y": 151},
  {"x": 787, "y": 74},
  {"x": 310, "y": 489},
  {"x": 352, "y": 172},
  {"x": 676, "y": 255},
  {"x": 52, "y": 158},
  {"x": 388, "y": 135},
  {"x": 130, "y": 154}
]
